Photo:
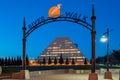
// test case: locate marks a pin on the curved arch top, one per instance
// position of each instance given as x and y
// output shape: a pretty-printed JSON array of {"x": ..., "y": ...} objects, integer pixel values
[{"x": 42, "y": 21}]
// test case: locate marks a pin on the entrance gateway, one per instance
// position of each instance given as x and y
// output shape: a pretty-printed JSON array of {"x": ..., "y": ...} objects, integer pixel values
[{"x": 69, "y": 17}]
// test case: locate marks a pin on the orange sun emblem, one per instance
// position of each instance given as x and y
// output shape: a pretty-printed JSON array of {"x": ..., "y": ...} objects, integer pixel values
[{"x": 54, "y": 11}]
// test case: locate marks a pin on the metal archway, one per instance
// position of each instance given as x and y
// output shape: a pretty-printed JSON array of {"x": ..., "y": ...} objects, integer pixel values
[
  {"x": 61, "y": 18},
  {"x": 42, "y": 21}
]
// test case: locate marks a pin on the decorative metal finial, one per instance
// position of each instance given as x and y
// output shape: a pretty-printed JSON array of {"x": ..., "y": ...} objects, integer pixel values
[
  {"x": 24, "y": 24},
  {"x": 93, "y": 10}
]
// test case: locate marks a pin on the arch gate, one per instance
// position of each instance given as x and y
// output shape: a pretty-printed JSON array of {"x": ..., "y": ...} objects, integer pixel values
[{"x": 69, "y": 17}]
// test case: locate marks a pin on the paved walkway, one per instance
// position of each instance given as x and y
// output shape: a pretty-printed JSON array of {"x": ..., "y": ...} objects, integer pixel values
[
  {"x": 69, "y": 77},
  {"x": 64, "y": 76}
]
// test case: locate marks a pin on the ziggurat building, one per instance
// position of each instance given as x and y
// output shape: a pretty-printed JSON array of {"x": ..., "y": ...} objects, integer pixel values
[{"x": 65, "y": 47}]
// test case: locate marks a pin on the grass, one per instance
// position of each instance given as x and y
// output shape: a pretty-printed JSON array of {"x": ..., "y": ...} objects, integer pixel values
[{"x": 8, "y": 71}]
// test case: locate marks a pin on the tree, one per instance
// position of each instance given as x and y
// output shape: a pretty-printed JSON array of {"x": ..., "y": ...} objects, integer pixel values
[
  {"x": 39, "y": 61},
  {"x": 0, "y": 61},
  {"x": 67, "y": 61},
  {"x": 20, "y": 61},
  {"x": 101, "y": 59},
  {"x": 27, "y": 60},
  {"x": 61, "y": 59},
  {"x": 14, "y": 61},
  {"x": 55, "y": 61},
  {"x": 49, "y": 60},
  {"x": 90, "y": 61},
  {"x": 6, "y": 61},
  {"x": 44, "y": 61},
  {"x": 73, "y": 61},
  {"x": 116, "y": 53},
  {"x": 114, "y": 58},
  {"x": 9, "y": 61},
  {"x": 85, "y": 61},
  {"x": 17, "y": 60}
]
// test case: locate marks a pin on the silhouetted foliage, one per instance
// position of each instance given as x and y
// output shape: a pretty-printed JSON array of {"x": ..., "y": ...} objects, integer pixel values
[
  {"x": 73, "y": 61},
  {"x": 116, "y": 54},
  {"x": 1, "y": 61},
  {"x": 27, "y": 60},
  {"x": 49, "y": 60},
  {"x": 61, "y": 59},
  {"x": 55, "y": 61},
  {"x": 67, "y": 61},
  {"x": 17, "y": 60},
  {"x": 39, "y": 61},
  {"x": 114, "y": 58},
  {"x": 85, "y": 61},
  {"x": 44, "y": 61},
  {"x": 14, "y": 61},
  {"x": 90, "y": 61},
  {"x": 10, "y": 61},
  {"x": 20, "y": 61},
  {"x": 6, "y": 61}
]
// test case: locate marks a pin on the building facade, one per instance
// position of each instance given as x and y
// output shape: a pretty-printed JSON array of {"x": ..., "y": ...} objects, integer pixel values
[{"x": 65, "y": 47}]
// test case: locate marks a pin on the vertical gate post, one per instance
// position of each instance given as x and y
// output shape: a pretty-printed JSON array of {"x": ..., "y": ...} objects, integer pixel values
[
  {"x": 24, "y": 45},
  {"x": 93, "y": 34},
  {"x": 93, "y": 75}
]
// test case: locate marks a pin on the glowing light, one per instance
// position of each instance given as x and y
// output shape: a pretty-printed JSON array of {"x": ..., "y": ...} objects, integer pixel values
[{"x": 103, "y": 39}]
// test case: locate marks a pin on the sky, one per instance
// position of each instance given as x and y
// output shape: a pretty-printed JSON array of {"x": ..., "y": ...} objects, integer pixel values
[{"x": 12, "y": 13}]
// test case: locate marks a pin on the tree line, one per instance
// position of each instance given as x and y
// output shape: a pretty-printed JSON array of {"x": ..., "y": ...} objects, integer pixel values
[
  {"x": 114, "y": 58},
  {"x": 12, "y": 61},
  {"x": 17, "y": 61},
  {"x": 60, "y": 61}
]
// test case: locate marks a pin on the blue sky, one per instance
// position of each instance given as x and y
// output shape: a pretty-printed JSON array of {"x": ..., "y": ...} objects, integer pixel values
[{"x": 12, "y": 13}]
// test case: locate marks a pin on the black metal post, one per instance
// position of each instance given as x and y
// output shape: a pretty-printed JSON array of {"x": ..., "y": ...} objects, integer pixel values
[
  {"x": 108, "y": 74},
  {"x": 93, "y": 34},
  {"x": 93, "y": 75},
  {"x": 93, "y": 51},
  {"x": 24, "y": 46},
  {"x": 107, "y": 49},
  {"x": 119, "y": 75}
]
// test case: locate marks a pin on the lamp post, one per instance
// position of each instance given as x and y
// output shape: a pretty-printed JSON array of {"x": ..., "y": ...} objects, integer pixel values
[{"x": 105, "y": 38}]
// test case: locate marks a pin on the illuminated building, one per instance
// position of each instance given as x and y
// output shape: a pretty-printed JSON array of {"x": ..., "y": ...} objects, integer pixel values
[{"x": 65, "y": 47}]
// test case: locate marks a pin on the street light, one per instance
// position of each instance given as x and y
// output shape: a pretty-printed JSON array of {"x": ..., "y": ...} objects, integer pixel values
[{"x": 105, "y": 38}]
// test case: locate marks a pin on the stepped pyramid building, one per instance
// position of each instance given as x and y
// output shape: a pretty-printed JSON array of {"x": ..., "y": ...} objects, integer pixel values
[{"x": 62, "y": 46}]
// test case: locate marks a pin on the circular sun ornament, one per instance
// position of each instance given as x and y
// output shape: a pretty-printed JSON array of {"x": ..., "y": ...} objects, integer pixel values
[{"x": 54, "y": 11}]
